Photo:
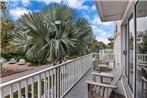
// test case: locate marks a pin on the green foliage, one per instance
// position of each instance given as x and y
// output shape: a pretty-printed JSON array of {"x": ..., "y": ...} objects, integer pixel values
[
  {"x": 143, "y": 45},
  {"x": 6, "y": 26},
  {"x": 2, "y": 69},
  {"x": 51, "y": 34},
  {"x": 131, "y": 41},
  {"x": 94, "y": 46},
  {"x": 18, "y": 55},
  {"x": 3, "y": 8},
  {"x": 110, "y": 45}
]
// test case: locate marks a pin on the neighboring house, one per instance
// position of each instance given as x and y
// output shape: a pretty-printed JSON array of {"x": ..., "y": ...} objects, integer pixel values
[
  {"x": 111, "y": 39},
  {"x": 131, "y": 18}
]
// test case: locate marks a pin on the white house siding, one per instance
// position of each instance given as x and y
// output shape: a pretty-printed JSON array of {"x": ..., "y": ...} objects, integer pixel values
[
  {"x": 117, "y": 50},
  {"x": 117, "y": 42},
  {"x": 123, "y": 48}
]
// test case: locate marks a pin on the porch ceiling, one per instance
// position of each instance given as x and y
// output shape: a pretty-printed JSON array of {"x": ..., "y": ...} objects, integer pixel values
[{"x": 111, "y": 10}]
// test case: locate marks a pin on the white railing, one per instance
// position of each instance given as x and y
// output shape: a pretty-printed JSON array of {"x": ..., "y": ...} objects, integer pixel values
[
  {"x": 53, "y": 82},
  {"x": 142, "y": 57},
  {"x": 108, "y": 56},
  {"x": 105, "y": 51}
]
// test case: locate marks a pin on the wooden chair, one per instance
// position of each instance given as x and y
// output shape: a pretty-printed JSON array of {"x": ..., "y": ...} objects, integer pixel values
[
  {"x": 102, "y": 90},
  {"x": 144, "y": 81},
  {"x": 100, "y": 64},
  {"x": 102, "y": 75},
  {"x": 105, "y": 61}
]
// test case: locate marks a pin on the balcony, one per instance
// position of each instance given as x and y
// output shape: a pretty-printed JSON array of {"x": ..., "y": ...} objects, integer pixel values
[
  {"x": 53, "y": 82},
  {"x": 67, "y": 80}
]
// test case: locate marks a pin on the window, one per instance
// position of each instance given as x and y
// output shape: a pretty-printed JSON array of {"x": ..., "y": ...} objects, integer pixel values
[
  {"x": 126, "y": 59},
  {"x": 131, "y": 49}
]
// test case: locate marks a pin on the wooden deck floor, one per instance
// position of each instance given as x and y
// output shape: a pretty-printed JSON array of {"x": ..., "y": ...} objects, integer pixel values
[{"x": 80, "y": 89}]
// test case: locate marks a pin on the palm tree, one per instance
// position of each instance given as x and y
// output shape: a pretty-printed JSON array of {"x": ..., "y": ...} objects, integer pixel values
[
  {"x": 53, "y": 33},
  {"x": 6, "y": 26},
  {"x": 3, "y": 8}
]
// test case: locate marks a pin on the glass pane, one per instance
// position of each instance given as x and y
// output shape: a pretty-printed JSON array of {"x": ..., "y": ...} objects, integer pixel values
[
  {"x": 126, "y": 36},
  {"x": 131, "y": 49},
  {"x": 141, "y": 21}
]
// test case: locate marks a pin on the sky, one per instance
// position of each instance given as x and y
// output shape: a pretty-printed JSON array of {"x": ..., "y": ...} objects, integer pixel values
[{"x": 85, "y": 8}]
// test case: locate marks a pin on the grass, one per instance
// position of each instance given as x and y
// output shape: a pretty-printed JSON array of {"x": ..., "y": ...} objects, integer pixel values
[
  {"x": 52, "y": 82},
  {"x": 15, "y": 94},
  {"x": 29, "y": 89}
]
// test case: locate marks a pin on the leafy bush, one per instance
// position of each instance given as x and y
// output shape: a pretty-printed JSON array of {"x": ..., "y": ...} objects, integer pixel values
[
  {"x": 143, "y": 45},
  {"x": 2, "y": 69},
  {"x": 17, "y": 55}
]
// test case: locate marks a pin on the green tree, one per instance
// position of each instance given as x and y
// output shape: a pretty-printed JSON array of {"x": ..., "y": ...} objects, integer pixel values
[
  {"x": 3, "y": 8},
  {"x": 6, "y": 26},
  {"x": 143, "y": 45},
  {"x": 53, "y": 33},
  {"x": 110, "y": 45},
  {"x": 94, "y": 46}
]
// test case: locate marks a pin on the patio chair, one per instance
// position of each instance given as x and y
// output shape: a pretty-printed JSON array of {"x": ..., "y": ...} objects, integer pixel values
[
  {"x": 144, "y": 90},
  {"x": 102, "y": 75},
  {"x": 101, "y": 66},
  {"x": 106, "y": 59},
  {"x": 102, "y": 90},
  {"x": 144, "y": 81}
]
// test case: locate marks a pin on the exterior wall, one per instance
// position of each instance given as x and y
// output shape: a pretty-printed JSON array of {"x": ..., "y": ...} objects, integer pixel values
[
  {"x": 117, "y": 42},
  {"x": 130, "y": 24},
  {"x": 123, "y": 48},
  {"x": 117, "y": 49}
]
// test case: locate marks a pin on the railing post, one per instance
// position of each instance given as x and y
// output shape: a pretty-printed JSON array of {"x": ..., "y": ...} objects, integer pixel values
[
  {"x": 11, "y": 91},
  {"x": 19, "y": 89},
  {"x": 58, "y": 82},
  {"x": 60, "y": 79},
  {"x": 45, "y": 85},
  {"x": 1, "y": 91},
  {"x": 26, "y": 88},
  {"x": 32, "y": 86},
  {"x": 39, "y": 86}
]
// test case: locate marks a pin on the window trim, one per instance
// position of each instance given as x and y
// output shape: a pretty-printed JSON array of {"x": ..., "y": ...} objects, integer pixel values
[{"x": 128, "y": 37}]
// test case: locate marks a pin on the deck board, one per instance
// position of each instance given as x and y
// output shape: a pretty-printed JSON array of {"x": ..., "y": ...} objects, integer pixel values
[{"x": 80, "y": 89}]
